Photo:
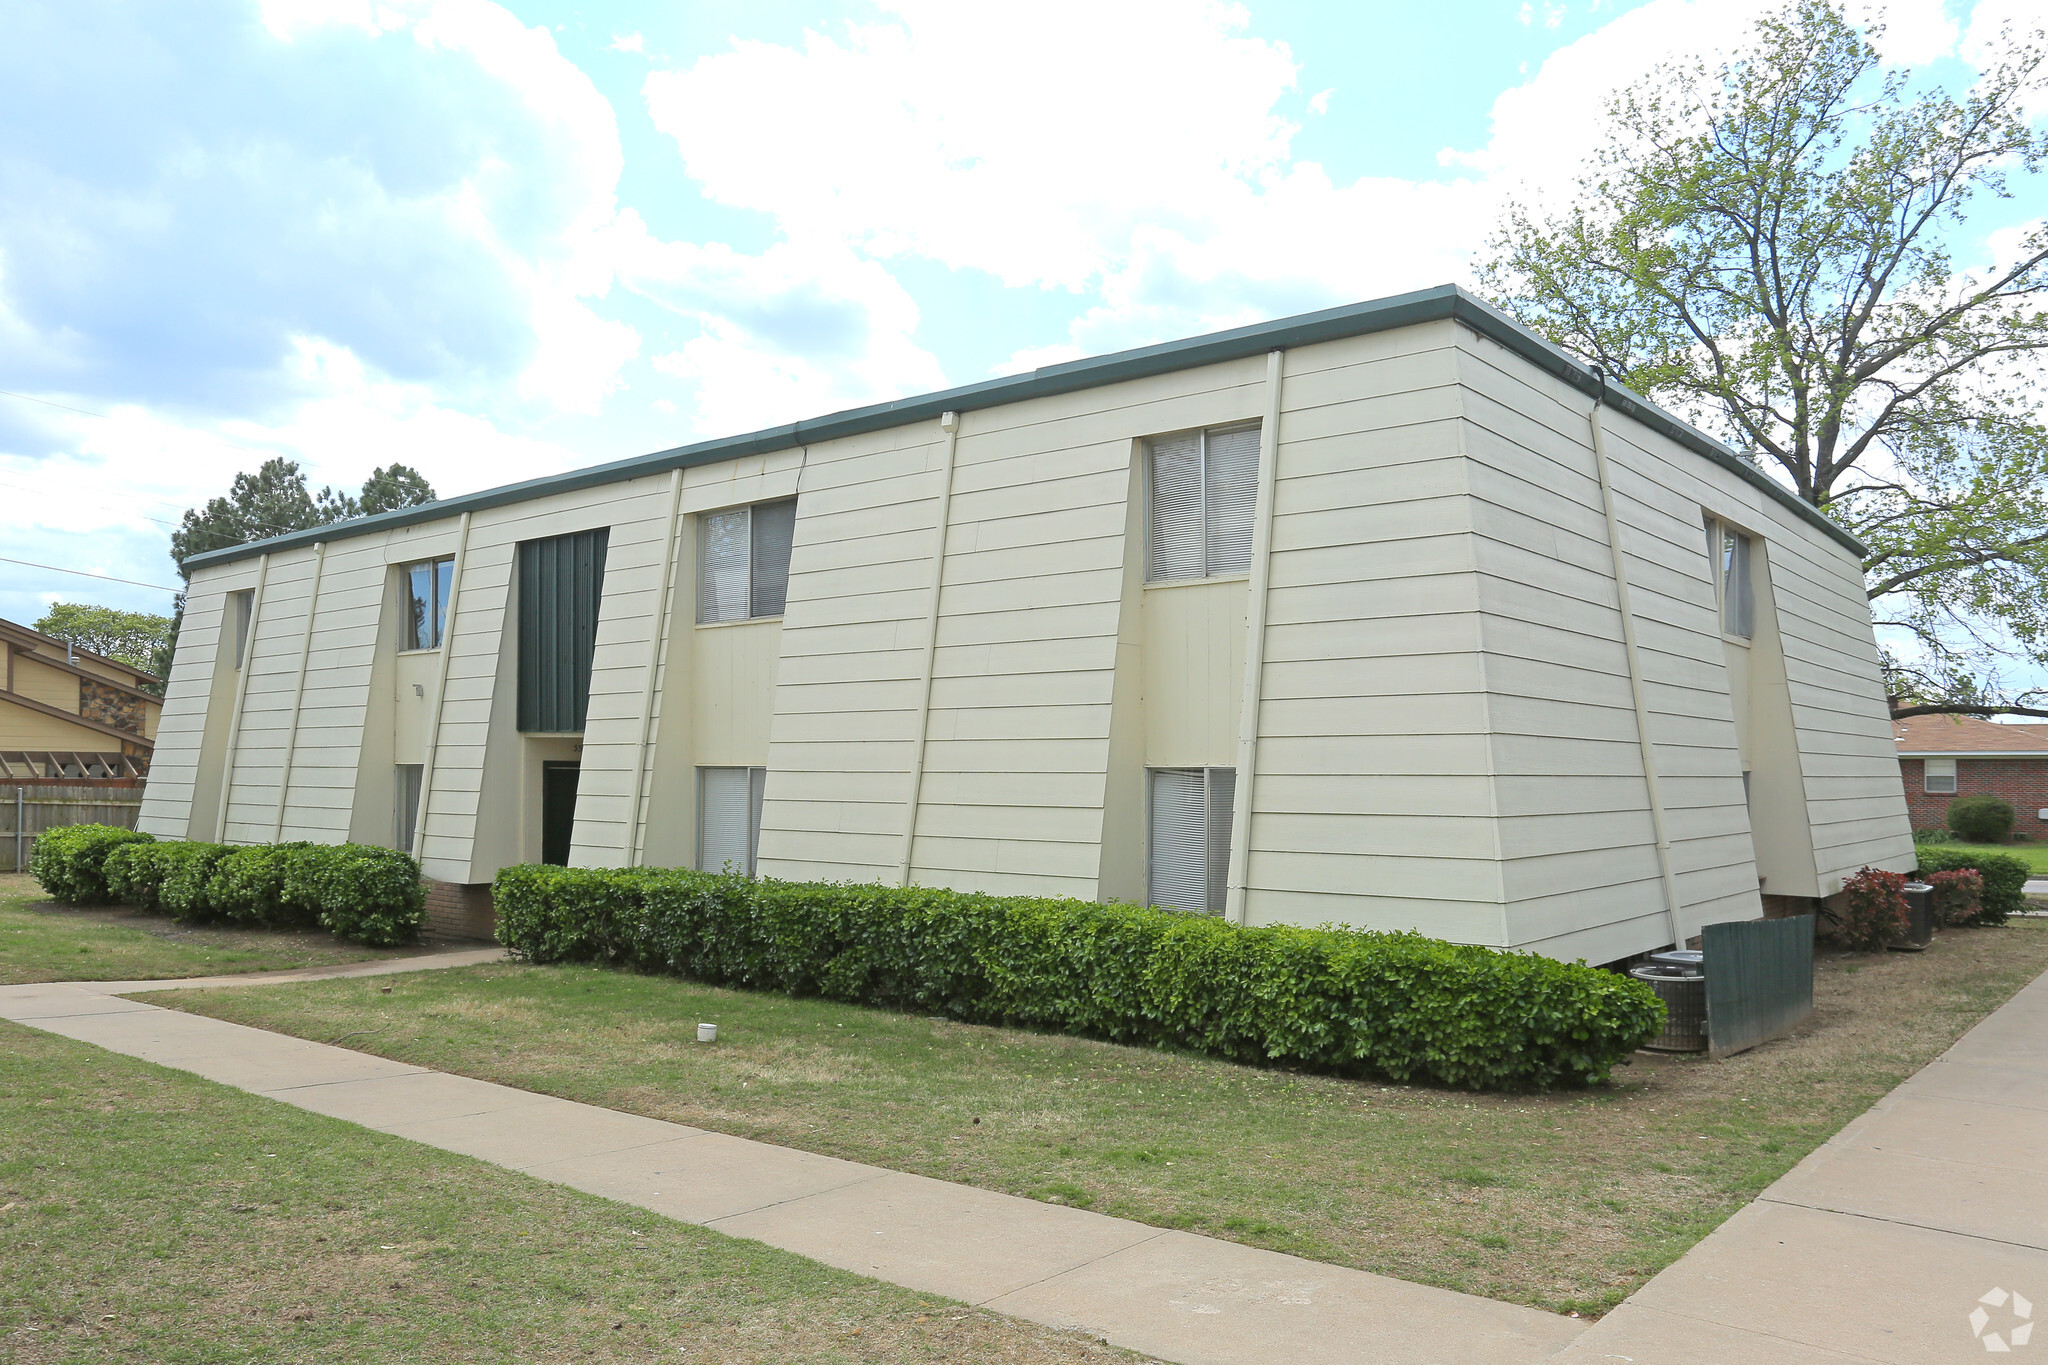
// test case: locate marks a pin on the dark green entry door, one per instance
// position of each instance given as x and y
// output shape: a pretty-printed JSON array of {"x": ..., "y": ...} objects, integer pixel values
[{"x": 557, "y": 810}]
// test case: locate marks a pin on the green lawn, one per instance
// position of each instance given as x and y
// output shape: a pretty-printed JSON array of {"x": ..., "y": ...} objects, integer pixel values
[
  {"x": 114, "y": 943},
  {"x": 1566, "y": 1201},
  {"x": 147, "y": 1215},
  {"x": 2034, "y": 856}
]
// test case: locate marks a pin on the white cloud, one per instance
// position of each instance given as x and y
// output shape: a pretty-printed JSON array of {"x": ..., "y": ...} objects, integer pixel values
[{"x": 628, "y": 42}]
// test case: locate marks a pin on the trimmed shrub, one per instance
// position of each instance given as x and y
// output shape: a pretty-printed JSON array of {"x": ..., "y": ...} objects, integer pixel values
[
  {"x": 2005, "y": 878},
  {"x": 1958, "y": 896},
  {"x": 1398, "y": 1005},
  {"x": 367, "y": 894},
  {"x": 188, "y": 867},
  {"x": 1874, "y": 910},
  {"x": 356, "y": 891},
  {"x": 248, "y": 887},
  {"x": 1982, "y": 819},
  {"x": 135, "y": 873},
  {"x": 69, "y": 862}
]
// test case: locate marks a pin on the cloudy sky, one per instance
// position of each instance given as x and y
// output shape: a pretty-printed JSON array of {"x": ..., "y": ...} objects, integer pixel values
[{"x": 500, "y": 240}]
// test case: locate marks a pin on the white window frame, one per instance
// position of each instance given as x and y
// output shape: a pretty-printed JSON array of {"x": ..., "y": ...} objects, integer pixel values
[
  {"x": 757, "y": 779},
  {"x": 1731, "y": 563},
  {"x": 1218, "y": 789},
  {"x": 438, "y": 593},
  {"x": 762, "y": 603},
  {"x": 1209, "y": 569},
  {"x": 1938, "y": 769}
]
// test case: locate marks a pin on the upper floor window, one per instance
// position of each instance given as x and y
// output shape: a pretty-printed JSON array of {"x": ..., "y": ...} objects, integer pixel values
[
  {"x": 1728, "y": 551},
  {"x": 743, "y": 561},
  {"x": 426, "y": 588},
  {"x": 1203, "y": 485},
  {"x": 244, "y": 608}
]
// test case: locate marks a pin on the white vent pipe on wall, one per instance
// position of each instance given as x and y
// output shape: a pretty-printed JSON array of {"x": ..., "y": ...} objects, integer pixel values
[
  {"x": 949, "y": 424},
  {"x": 1234, "y": 908},
  {"x": 1637, "y": 688},
  {"x": 291, "y": 737},
  {"x": 419, "y": 815}
]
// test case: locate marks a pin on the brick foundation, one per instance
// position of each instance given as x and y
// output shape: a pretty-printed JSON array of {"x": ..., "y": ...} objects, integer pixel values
[
  {"x": 459, "y": 910},
  {"x": 2022, "y": 781}
]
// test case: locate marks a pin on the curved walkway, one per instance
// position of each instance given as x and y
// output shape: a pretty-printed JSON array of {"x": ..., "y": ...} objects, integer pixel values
[
  {"x": 1173, "y": 1295},
  {"x": 1916, "y": 1235}
]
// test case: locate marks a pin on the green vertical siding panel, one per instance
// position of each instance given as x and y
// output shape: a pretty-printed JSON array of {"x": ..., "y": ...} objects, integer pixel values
[
  {"x": 561, "y": 585},
  {"x": 1759, "y": 980}
]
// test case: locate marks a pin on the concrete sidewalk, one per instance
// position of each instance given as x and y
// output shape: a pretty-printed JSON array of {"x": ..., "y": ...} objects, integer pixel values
[
  {"x": 1170, "y": 1294},
  {"x": 1883, "y": 1244}
]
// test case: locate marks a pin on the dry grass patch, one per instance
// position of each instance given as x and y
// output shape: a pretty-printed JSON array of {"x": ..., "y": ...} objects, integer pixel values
[
  {"x": 148, "y": 1215},
  {"x": 1565, "y": 1201}
]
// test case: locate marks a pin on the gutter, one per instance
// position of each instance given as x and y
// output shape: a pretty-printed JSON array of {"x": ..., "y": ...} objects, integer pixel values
[{"x": 1441, "y": 303}]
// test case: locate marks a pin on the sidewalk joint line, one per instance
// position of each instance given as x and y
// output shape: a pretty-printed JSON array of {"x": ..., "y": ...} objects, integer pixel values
[
  {"x": 1156, "y": 1234},
  {"x": 1768, "y": 1198},
  {"x": 798, "y": 1198}
]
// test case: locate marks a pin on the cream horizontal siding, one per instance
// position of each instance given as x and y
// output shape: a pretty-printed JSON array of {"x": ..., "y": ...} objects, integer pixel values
[
  {"x": 848, "y": 679},
  {"x": 1372, "y": 802},
  {"x": 1532, "y": 464},
  {"x": 1016, "y": 739},
  {"x": 181, "y": 730}
]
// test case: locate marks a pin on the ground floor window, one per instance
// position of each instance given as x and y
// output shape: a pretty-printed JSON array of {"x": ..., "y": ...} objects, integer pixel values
[
  {"x": 1939, "y": 777},
  {"x": 729, "y": 818},
  {"x": 1188, "y": 861},
  {"x": 408, "y": 804}
]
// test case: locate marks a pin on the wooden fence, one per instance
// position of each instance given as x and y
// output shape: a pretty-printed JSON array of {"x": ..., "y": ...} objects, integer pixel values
[{"x": 28, "y": 809}]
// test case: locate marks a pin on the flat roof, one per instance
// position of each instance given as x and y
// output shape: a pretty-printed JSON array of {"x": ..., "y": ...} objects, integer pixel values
[{"x": 1444, "y": 302}]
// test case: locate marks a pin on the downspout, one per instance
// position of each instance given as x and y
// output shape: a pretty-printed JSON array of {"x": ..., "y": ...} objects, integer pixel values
[
  {"x": 949, "y": 423},
  {"x": 658, "y": 638},
  {"x": 291, "y": 736},
  {"x": 1234, "y": 908},
  {"x": 248, "y": 666},
  {"x": 1636, "y": 685},
  {"x": 419, "y": 817}
]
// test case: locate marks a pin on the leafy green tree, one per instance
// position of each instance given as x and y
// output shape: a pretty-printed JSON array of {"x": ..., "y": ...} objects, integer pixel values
[
  {"x": 1767, "y": 248},
  {"x": 134, "y": 637},
  {"x": 275, "y": 500}
]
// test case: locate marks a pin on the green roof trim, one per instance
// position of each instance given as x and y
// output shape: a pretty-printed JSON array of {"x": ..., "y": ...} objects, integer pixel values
[{"x": 1331, "y": 324}]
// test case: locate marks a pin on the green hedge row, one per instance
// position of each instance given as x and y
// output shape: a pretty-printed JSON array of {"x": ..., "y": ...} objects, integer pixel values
[
  {"x": 356, "y": 891},
  {"x": 1397, "y": 1005},
  {"x": 2005, "y": 877}
]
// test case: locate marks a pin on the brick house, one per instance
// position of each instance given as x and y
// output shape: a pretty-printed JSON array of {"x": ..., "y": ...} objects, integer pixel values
[{"x": 1944, "y": 757}]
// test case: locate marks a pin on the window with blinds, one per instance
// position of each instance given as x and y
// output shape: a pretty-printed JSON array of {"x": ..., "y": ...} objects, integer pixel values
[
  {"x": 561, "y": 586},
  {"x": 729, "y": 818},
  {"x": 1188, "y": 856},
  {"x": 743, "y": 561},
  {"x": 1728, "y": 552},
  {"x": 1202, "y": 488},
  {"x": 1939, "y": 776}
]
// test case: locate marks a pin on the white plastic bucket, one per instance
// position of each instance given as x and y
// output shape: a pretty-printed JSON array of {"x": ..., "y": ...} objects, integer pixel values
[{"x": 707, "y": 1033}]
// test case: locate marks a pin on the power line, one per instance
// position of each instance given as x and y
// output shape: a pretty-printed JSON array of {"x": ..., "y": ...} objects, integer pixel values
[
  {"x": 105, "y": 578},
  {"x": 48, "y": 404}
]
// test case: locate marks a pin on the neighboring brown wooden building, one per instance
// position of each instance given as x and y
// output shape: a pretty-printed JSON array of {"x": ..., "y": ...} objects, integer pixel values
[
  {"x": 67, "y": 713},
  {"x": 1944, "y": 757}
]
